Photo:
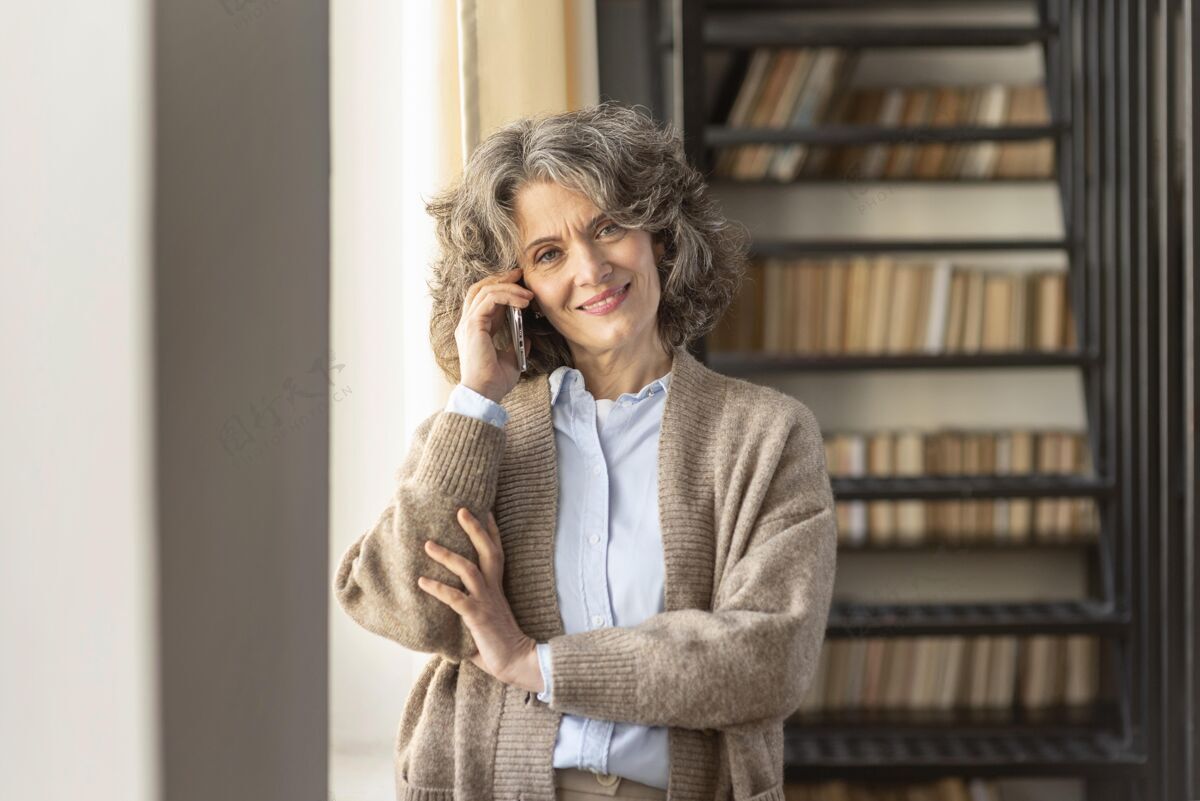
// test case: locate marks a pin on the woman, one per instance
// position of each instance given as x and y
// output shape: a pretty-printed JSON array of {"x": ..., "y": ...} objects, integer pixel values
[{"x": 621, "y": 559}]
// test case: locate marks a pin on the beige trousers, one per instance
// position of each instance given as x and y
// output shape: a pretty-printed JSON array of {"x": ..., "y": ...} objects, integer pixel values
[{"x": 583, "y": 785}]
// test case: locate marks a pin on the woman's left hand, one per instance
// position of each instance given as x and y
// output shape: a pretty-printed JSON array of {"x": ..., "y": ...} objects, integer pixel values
[{"x": 504, "y": 650}]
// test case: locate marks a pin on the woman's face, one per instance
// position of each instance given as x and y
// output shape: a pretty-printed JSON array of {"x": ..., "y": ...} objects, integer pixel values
[{"x": 571, "y": 252}]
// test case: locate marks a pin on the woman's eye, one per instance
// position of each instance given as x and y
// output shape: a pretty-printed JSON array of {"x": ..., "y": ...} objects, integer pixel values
[{"x": 541, "y": 259}]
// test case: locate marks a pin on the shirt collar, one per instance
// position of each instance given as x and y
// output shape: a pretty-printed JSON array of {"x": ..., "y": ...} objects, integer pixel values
[{"x": 564, "y": 374}]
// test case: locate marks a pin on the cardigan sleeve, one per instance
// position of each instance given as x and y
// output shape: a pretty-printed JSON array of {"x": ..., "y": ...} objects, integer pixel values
[
  {"x": 753, "y": 656},
  {"x": 454, "y": 461}
]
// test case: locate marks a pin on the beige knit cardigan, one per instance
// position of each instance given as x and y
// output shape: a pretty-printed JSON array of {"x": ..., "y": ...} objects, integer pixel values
[{"x": 749, "y": 541}]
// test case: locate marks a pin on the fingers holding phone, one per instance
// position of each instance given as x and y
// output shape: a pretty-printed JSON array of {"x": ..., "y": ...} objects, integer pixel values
[{"x": 492, "y": 307}]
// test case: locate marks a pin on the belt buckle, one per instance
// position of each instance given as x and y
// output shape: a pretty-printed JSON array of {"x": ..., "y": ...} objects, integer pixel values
[{"x": 606, "y": 779}]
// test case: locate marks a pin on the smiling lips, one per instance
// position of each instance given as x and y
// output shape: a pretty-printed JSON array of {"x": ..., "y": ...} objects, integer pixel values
[{"x": 608, "y": 303}]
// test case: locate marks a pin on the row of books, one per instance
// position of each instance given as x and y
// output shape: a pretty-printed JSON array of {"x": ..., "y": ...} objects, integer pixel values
[
  {"x": 784, "y": 88},
  {"x": 957, "y": 452},
  {"x": 948, "y": 788},
  {"x": 983, "y": 106},
  {"x": 878, "y": 305},
  {"x": 984, "y": 672},
  {"x": 811, "y": 87}
]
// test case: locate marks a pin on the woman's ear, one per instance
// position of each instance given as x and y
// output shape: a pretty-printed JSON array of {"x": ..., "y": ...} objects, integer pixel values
[{"x": 660, "y": 249}]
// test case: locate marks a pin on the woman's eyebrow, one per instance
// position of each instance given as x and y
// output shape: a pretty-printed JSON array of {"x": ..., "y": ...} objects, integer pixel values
[{"x": 536, "y": 242}]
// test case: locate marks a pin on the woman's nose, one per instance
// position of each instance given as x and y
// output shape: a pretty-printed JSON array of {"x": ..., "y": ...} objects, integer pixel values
[{"x": 592, "y": 266}]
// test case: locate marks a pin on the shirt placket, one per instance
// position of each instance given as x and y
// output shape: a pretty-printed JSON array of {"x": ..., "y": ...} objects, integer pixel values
[{"x": 593, "y": 568}]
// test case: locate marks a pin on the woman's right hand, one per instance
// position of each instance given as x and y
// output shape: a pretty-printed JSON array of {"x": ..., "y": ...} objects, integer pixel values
[{"x": 490, "y": 372}]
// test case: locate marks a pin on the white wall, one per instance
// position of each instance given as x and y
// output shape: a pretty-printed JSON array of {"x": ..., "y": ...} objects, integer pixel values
[
  {"x": 78, "y": 682},
  {"x": 397, "y": 139},
  {"x": 388, "y": 98}
]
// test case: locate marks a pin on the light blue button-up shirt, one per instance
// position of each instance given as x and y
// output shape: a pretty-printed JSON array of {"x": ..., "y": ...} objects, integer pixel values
[{"x": 608, "y": 556}]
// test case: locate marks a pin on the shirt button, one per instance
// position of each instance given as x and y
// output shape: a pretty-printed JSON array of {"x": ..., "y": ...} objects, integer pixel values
[
  {"x": 597, "y": 470},
  {"x": 595, "y": 538},
  {"x": 598, "y": 621}
]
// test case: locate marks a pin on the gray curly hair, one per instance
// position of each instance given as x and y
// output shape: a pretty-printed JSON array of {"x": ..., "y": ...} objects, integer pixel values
[{"x": 628, "y": 166}]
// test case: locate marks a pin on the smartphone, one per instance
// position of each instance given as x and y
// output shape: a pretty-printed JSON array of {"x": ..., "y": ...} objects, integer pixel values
[{"x": 516, "y": 329}]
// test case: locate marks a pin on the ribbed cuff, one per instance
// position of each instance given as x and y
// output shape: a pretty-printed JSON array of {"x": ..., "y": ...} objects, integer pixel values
[
  {"x": 462, "y": 458},
  {"x": 594, "y": 673},
  {"x": 409, "y": 792}
]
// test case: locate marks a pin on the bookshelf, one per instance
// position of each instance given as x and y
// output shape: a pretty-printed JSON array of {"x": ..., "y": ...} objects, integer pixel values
[{"x": 1102, "y": 746}]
